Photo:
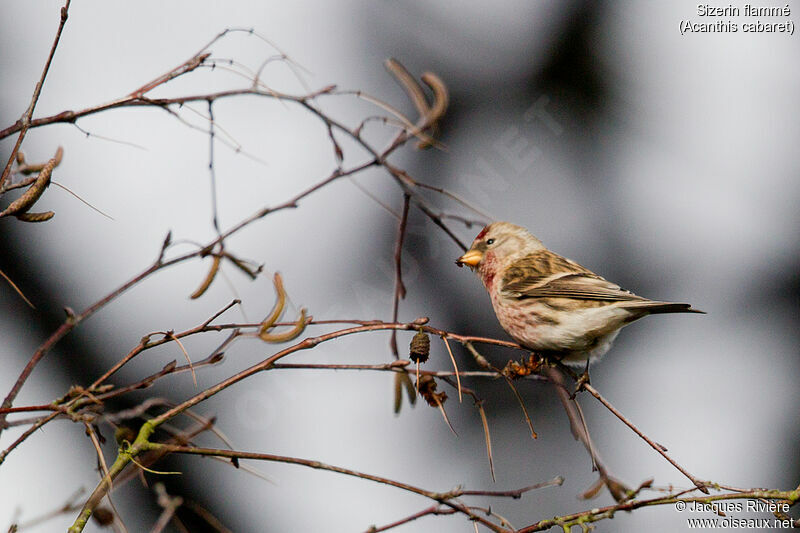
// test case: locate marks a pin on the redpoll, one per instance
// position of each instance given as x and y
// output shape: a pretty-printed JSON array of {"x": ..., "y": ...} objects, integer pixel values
[{"x": 550, "y": 304}]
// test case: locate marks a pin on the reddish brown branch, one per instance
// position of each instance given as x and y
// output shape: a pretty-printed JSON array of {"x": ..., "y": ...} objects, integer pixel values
[
  {"x": 28, "y": 432},
  {"x": 185, "y": 67},
  {"x": 444, "y": 498},
  {"x": 399, "y": 286},
  {"x": 305, "y": 344},
  {"x": 433, "y": 510},
  {"x": 24, "y": 123},
  {"x": 702, "y": 485},
  {"x": 581, "y": 433},
  {"x": 70, "y": 117},
  {"x": 73, "y": 320},
  {"x": 596, "y": 514},
  {"x": 69, "y": 324}
]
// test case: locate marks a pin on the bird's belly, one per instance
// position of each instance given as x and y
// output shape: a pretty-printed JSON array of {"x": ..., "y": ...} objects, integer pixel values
[{"x": 575, "y": 334}]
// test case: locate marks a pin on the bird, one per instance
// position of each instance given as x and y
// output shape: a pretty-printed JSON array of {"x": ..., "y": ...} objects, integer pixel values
[{"x": 549, "y": 304}]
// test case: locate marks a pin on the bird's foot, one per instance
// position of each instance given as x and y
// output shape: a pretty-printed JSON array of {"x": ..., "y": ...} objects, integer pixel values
[{"x": 582, "y": 380}]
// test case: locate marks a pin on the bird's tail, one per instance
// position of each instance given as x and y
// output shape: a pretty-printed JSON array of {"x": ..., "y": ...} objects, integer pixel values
[{"x": 655, "y": 308}]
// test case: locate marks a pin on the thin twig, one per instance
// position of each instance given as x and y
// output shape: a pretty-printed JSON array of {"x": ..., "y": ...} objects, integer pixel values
[
  {"x": 73, "y": 320},
  {"x": 701, "y": 485},
  {"x": 172, "y": 336},
  {"x": 596, "y": 514},
  {"x": 170, "y": 504},
  {"x": 149, "y": 426},
  {"x": 455, "y": 367},
  {"x": 485, "y": 423},
  {"x": 24, "y": 123},
  {"x": 17, "y": 290},
  {"x": 82, "y": 200},
  {"x": 70, "y": 505},
  {"x": 206, "y": 515},
  {"x": 399, "y": 287},
  {"x": 521, "y": 404},
  {"x": 28, "y": 432},
  {"x": 211, "y": 136},
  {"x": 435, "y": 510},
  {"x": 580, "y": 430}
]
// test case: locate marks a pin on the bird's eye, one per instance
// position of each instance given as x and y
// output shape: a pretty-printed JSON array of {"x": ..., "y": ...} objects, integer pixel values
[{"x": 490, "y": 241}]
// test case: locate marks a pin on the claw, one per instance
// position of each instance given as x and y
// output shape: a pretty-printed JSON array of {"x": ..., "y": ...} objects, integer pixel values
[{"x": 583, "y": 379}]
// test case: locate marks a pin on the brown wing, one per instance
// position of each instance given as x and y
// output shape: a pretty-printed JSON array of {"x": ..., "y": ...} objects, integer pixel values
[
  {"x": 545, "y": 274},
  {"x": 579, "y": 287},
  {"x": 538, "y": 266}
]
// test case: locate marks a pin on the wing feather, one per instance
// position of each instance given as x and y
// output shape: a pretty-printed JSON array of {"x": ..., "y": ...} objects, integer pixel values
[{"x": 545, "y": 274}]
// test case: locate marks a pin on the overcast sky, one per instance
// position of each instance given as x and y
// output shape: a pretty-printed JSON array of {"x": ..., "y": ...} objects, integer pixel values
[{"x": 662, "y": 161}]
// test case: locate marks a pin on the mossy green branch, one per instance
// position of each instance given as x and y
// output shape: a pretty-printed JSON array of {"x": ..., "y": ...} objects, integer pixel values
[
  {"x": 595, "y": 515},
  {"x": 125, "y": 454}
]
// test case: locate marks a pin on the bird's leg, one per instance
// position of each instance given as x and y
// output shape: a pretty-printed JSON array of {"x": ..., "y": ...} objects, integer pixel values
[{"x": 582, "y": 380}]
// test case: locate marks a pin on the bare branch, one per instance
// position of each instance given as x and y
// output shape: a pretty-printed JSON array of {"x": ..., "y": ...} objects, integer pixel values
[
  {"x": 701, "y": 485},
  {"x": 24, "y": 123}
]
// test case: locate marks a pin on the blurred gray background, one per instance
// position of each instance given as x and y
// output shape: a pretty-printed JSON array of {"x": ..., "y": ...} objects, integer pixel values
[{"x": 665, "y": 162}]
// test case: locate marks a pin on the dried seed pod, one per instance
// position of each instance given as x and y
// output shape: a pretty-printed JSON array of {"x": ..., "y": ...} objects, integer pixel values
[
  {"x": 206, "y": 283},
  {"x": 402, "y": 381},
  {"x": 440, "y": 97},
  {"x": 103, "y": 516},
  {"x": 420, "y": 347},
  {"x": 426, "y": 385},
  {"x": 124, "y": 434},
  {"x": 59, "y": 155},
  {"x": 524, "y": 368},
  {"x": 277, "y": 309},
  {"x": 265, "y": 331},
  {"x": 29, "y": 197},
  {"x": 287, "y": 335},
  {"x": 35, "y": 217},
  {"x": 411, "y": 86},
  {"x": 437, "y": 109}
]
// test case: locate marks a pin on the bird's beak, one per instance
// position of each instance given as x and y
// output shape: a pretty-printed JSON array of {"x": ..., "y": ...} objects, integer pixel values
[{"x": 471, "y": 258}]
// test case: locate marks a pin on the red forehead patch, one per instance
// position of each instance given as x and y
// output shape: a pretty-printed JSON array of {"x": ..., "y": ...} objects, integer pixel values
[{"x": 482, "y": 233}]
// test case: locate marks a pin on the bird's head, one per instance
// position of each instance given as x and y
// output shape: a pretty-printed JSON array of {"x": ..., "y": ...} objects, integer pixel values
[{"x": 497, "y": 245}]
